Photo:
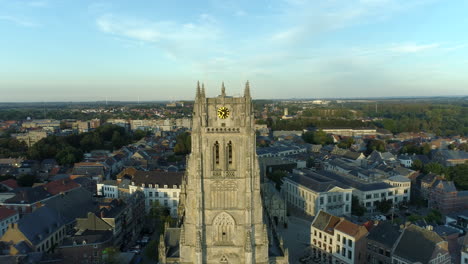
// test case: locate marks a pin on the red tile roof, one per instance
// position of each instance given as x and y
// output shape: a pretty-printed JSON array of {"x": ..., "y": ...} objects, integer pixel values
[
  {"x": 59, "y": 186},
  {"x": 6, "y": 212},
  {"x": 11, "y": 183},
  {"x": 351, "y": 229}
]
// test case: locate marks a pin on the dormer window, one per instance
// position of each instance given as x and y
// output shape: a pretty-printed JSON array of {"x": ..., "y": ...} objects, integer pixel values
[{"x": 165, "y": 186}]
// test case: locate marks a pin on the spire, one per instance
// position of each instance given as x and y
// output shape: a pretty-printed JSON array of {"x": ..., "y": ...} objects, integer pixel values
[
  {"x": 247, "y": 89},
  {"x": 198, "y": 89},
  {"x": 203, "y": 90},
  {"x": 223, "y": 90}
]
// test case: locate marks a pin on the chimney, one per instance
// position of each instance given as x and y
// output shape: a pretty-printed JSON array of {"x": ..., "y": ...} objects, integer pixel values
[{"x": 102, "y": 214}]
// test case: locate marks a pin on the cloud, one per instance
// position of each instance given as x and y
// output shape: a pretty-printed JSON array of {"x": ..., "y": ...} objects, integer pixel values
[
  {"x": 19, "y": 21},
  {"x": 413, "y": 48},
  {"x": 159, "y": 31},
  {"x": 299, "y": 19}
]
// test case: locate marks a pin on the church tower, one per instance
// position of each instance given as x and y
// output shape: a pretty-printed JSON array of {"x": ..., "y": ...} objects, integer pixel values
[{"x": 222, "y": 217}]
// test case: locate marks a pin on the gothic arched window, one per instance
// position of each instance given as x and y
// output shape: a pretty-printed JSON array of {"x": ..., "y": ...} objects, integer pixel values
[
  {"x": 223, "y": 226},
  {"x": 229, "y": 150},
  {"x": 216, "y": 153}
]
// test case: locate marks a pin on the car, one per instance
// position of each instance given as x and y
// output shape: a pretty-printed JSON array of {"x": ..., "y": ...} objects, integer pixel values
[{"x": 136, "y": 251}]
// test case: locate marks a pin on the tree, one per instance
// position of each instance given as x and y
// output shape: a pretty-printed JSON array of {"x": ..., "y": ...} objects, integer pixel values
[
  {"x": 139, "y": 134},
  {"x": 151, "y": 250},
  {"x": 90, "y": 142},
  {"x": 117, "y": 140},
  {"x": 459, "y": 175},
  {"x": 434, "y": 216},
  {"x": 26, "y": 180},
  {"x": 110, "y": 255},
  {"x": 69, "y": 155},
  {"x": 317, "y": 137},
  {"x": 346, "y": 144},
  {"x": 417, "y": 165},
  {"x": 434, "y": 167},
  {"x": 277, "y": 177},
  {"x": 356, "y": 208},
  {"x": 183, "y": 144},
  {"x": 375, "y": 144},
  {"x": 384, "y": 205}
]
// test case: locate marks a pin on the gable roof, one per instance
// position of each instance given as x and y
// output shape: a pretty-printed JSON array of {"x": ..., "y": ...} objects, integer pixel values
[
  {"x": 385, "y": 233},
  {"x": 29, "y": 196},
  {"x": 351, "y": 229},
  {"x": 10, "y": 183},
  {"x": 40, "y": 224},
  {"x": 417, "y": 244},
  {"x": 60, "y": 186},
  {"x": 74, "y": 204},
  {"x": 158, "y": 177},
  {"x": 325, "y": 222}
]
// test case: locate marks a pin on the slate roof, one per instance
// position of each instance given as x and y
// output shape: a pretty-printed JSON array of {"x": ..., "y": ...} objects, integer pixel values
[
  {"x": 158, "y": 177},
  {"x": 74, "y": 204},
  {"x": 315, "y": 182},
  {"x": 417, "y": 244},
  {"x": 89, "y": 236},
  {"x": 29, "y": 196},
  {"x": 352, "y": 155},
  {"x": 89, "y": 171},
  {"x": 354, "y": 183},
  {"x": 453, "y": 154},
  {"x": 385, "y": 233},
  {"x": 41, "y": 223}
]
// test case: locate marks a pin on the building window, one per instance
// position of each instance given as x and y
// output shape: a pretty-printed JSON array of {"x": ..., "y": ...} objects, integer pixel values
[
  {"x": 368, "y": 196},
  {"x": 216, "y": 150},
  {"x": 165, "y": 194},
  {"x": 165, "y": 202},
  {"x": 347, "y": 197},
  {"x": 229, "y": 152},
  {"x": 349, "y": 254},
  {"x": 350, "y": 243},
  {"x": 344, "y": 240},
  {"x": 150, "y": 194},
  {"x": 321, "y": 200},
  {"x": 174, "y": 194}
]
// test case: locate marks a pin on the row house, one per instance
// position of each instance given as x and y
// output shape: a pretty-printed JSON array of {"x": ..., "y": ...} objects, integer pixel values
[
  {"x": 29, "y": 199},
  {"x": 311, "y": 193},
  {"x": 336, "y": 240},
  {"x": 161, "y": 188},
  {"x": 397, "y": 189},
  {"x": 39, "y": 231},
  {"x": 7, "y": 217},
  {"x": 392, "y": 244}
]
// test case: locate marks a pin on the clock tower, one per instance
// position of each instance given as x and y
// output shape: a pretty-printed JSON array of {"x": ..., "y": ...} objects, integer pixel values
[{"x": 221, "y": 217}]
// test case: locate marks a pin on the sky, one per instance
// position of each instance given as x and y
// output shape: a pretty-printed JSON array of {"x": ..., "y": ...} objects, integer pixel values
[{"x": 68, "y": 50}]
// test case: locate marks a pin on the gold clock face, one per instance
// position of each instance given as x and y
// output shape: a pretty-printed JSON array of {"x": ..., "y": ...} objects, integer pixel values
[{"x": 223, "y": 112}]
